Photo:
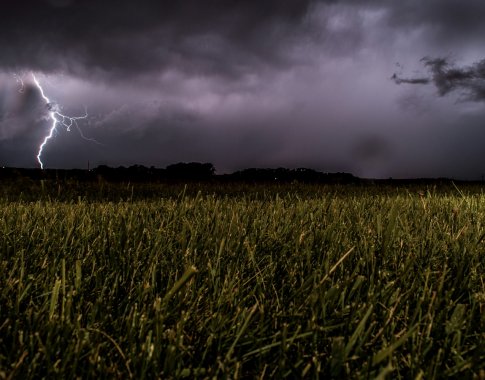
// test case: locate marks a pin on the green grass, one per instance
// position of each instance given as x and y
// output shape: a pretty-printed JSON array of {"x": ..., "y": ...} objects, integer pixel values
[{"x": 336, "y": 282}]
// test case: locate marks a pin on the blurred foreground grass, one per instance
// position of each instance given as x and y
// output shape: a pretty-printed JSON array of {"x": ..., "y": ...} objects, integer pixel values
[{"x": 337, "y": 282}]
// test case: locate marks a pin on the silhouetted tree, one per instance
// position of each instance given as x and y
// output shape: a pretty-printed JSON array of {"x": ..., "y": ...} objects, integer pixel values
[{"x": 190, "y": 171}]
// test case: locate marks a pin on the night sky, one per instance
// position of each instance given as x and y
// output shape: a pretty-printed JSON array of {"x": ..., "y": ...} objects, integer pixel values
[{"x": 376, "y": 88}]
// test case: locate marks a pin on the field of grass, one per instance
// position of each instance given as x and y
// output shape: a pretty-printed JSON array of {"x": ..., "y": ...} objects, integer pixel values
[{"x": 331, "y": 282}]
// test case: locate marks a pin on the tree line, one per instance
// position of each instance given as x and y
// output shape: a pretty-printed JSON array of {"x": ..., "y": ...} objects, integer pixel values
[{"x": 192, "y": 171}]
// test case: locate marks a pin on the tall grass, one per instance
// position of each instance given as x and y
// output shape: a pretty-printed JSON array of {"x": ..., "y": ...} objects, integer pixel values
[{"x": 337, "y": 284}]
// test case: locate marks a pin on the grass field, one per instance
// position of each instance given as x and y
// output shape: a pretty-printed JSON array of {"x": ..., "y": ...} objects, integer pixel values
[{"x": 153, "y": 281}]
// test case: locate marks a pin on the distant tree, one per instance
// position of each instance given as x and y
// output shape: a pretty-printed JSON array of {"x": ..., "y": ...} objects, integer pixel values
[{"x": 190, "y": 171}]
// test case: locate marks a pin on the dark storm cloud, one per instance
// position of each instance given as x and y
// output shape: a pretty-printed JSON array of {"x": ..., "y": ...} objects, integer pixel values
[
  {"x": 470, "y": 80},
  {"x": 226, "y": 38},
  {"x": 113, "y": 39},
  {"x": 446, "y": 20},
  {"x": 133, "y": 37},
  {"x": 398, "y": 80}
]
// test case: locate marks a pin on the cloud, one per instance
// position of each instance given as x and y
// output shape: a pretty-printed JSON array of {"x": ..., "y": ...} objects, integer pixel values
[
  {"x": 447, "y": 77},
  {"x": 399, "y": 80},
  {"x": 448, "y": 18},
  {"x": 115, "y": 38},
  {"x": 240, "y": 83}
]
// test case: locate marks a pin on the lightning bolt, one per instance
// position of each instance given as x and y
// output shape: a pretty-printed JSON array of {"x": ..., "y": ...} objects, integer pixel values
[{"x": 58, "y": 118}]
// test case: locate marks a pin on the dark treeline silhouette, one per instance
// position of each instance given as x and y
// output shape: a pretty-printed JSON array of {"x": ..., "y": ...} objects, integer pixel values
[
  {"x": 289, "y": 175},
  {"x": 202, "y": 172},
  {"x": 192, "y": 171}
]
